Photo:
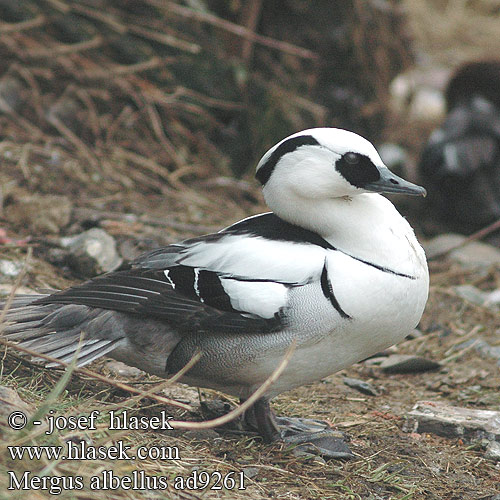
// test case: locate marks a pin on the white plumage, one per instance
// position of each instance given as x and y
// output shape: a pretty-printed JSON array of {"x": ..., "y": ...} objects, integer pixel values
[{"x": 334, "y": 267}]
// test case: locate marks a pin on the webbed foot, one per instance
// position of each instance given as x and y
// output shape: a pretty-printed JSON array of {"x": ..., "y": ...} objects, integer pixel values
[{"x": 307, "y": 436}]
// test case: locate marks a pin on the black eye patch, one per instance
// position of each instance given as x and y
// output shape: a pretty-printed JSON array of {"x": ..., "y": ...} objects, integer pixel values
[{"x": 357, "y": 169}]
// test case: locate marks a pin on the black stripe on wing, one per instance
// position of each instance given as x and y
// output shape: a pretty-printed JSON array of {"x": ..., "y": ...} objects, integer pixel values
[
  {"x": 187, "y": 298},
  {"x": 327, "y": 288}
]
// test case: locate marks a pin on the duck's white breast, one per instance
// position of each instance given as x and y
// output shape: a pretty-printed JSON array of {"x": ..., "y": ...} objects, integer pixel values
[{"x": 383, "y": 307}]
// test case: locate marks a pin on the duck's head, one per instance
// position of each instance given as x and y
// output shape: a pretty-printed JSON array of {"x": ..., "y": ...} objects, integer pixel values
[{"x": 326, "y": 163}]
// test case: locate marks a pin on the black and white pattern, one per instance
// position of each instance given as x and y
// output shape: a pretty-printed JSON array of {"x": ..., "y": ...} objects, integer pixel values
[{"x": 333, "y": 267}]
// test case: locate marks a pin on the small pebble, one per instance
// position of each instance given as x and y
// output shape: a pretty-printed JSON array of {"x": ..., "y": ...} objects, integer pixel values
[
  {"x": 250, "y": 472},
  {"x": 471, "y": 294},
  {"x": 406, "y": 363},
  {"x": 9, "y": 268},
  {"x": 92, "y": 252},
  {"x": 473, "y": 255},
  {"x": 361, "y": 386},
  {"x": 493, "y": 451},
  {"x": 484, "y": 349},
  {"x": 493, "y": 298},
  {"x": 123, "y": 370}
]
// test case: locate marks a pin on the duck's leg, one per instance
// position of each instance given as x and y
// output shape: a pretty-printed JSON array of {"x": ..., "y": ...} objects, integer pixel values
[
  {"x": 310, "y": 436},
  {"x": 265, "y": 421}
]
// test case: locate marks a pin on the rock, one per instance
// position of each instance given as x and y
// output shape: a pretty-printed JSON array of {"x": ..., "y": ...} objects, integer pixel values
[
  {"x": 331, "y": 444},
  {"x": 493, "y": 451},
  {"x": 476, "y": 254},
  {"x": 92, "y": 252},
  {"x": 442, "y": 244},
  {"x": 250, "y": 472},
  {"x": 123, "y": 370},
  {"x": 361, "y": 386},
  {"x": 453, "y": 421},
  {"x": 493, "y": 298},
  {"x": 415, "y": 334},
  {"x": 40, "y": 214},
  {"x": 471, "y": 294},
  {"x": 472, "y": 255},
  {"x": 407, "y": 363},
  {"x": 419, "y": 93},
  {"x": 375, "y": 361},
  {"x": 9, "y": 268},
  {"x": 484, "y": 349}
]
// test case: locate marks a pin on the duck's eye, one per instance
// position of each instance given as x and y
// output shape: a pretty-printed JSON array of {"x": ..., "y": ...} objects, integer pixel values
[{"x": 352, "y": 158}]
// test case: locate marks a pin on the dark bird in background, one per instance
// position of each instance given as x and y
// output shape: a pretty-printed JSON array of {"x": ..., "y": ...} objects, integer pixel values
[{"x": 460, "y": 165}]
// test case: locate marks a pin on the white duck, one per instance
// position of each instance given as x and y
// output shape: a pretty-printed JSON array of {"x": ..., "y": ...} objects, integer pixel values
[{"x": 334, "y": 267}]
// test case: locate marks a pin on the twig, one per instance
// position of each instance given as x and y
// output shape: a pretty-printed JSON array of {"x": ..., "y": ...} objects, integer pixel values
[
  {"x": 166, "y": 39},
  {"x": 462, "y": 339},
  {"x": 67, "y": 133},
  {"x": 458, "y": 354},
  {"x": 63, "y": 49},
  {"x": 126, "y": 69},
  {"x": 236, "y": 29},
  {"x": 23, "y": 25},
  {"x": 251, "y": 16}
]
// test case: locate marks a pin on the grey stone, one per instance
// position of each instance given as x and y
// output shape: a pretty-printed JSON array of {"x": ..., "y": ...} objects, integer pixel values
[
  {"x": 487, "y": 351},
  {"x": 493, "y": 451},
  {"x": 407, "y": 363},
  {"x": 361, "y": 386},
  {"x": 493, "y": 298},
  {"x": 484, "y": 349},
  {"x": 476, "y": 254},
  {"x": 415, "y": 334},
  {"x": 123, "y": 370},
  {"x": 442, "y": 244},
  {"x": 471, "y": 294},
  {"x": 250, "y": 472},
  {"x": 472, "y": 255},
  {"x": 92, "y": 252},
  {"x": 453, "y": 421},
  {"x": 10, "y": 268}
]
